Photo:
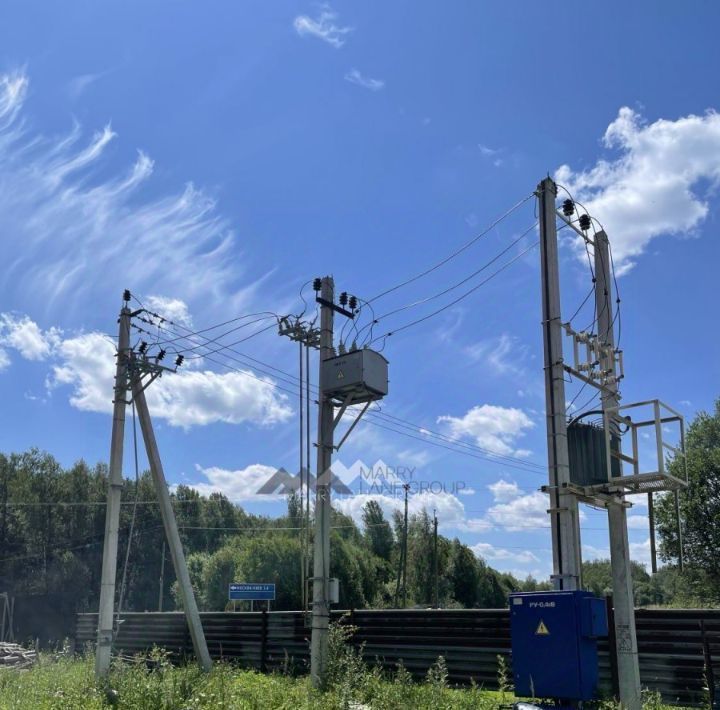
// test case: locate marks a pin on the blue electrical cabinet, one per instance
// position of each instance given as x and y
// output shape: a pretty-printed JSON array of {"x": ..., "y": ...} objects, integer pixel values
[{"x": 554, "y": 643}]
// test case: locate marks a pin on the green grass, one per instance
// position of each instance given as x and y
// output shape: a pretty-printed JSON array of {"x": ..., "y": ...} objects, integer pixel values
[{"x": 66, "y": 684}]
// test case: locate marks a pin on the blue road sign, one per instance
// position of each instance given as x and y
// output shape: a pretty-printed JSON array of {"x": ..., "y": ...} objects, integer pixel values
[{"x": 252, "y": 592}]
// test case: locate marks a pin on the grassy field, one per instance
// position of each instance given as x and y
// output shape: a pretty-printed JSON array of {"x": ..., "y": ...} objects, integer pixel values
[{"x": 66, "y": 684}]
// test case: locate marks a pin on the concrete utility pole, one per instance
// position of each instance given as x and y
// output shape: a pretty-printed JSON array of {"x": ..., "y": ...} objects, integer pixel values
[
  {"x": 405, "y": 541},
  {"x": 304, "y": 482},
  {"x": 162, "y": 578},
  {"x": 564, "y": 517},
  {"x": 171, "y": 530},
  {"x": 306, "y": 542},
  {"x": 436, "y": 588},
  {"x": 625, "y": 635},
  {"x": 403, "y": 553},
  {"x": 112, "y": 514},
  {"x": 321, "y": 561}
]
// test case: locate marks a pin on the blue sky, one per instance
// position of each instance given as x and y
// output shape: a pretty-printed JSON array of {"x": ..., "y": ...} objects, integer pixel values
[{"x": 214, "y": 156}]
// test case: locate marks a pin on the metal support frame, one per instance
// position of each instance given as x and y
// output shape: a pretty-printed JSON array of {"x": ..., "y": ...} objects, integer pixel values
[
  {"x": 353, "y": 425},
  {"x": 307, "y": 336},
  {"x": 640, "y": 481}
]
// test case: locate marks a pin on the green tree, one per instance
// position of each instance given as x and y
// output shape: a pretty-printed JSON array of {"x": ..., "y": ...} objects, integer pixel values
[
  {"x": 220, "y": 516},
  {"x": 464, "y": 575},
  {"x": 378, "y": 533},
  {"x": 218, "y": 572},
  {"x": 699, "y": 508},
  {"x": 647, "y": 590},
  {"x": 272, "y": 557}
]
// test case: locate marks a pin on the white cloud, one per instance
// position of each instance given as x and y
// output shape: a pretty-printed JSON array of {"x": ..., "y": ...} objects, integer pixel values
[
  {"x": 4, "y": 360},
  {"x": 487, "y": 150},
  {"x": 171, "y": 308},
  {"x": 657, "y": 185},
  {"x": 640, "y": 552},
  {"x": 13, "y": 90},
  {"x": 493, "y": 554},
  {"x": 522, "y": 512},
  {"x": 68, "y": 217},
  {"x": 355, "y": 77},
  {"x": 77, "y": 85},
  {"x": 493, "y": 428},
  {"x": 638, "y": 522},
  {"x": 590, "y": 552},
  {"x": 491, "y": 154},
  {"x": 501, "y": 354},
  {"x": 194, "y": 398},
  {"x": 504, "y": 491},
  {"x": 27, "y": 337},
  {"x": 186, "y": 399},
  {"x": 638, "y": 501},
  {"x": 240, "y": 485},
  {"x": 323, "y": 27}
]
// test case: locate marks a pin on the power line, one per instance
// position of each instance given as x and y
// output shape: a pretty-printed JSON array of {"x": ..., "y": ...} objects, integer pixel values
[
  {"x": 616, "y": 315},
  {"x": 237, "y": 342},
  {"x": 488, "y": 453},
  {"x": 450, "y": 448},
  {"x": 445, "y": 442},
  {"x": 485, "y": 266},
  {"x": 222, "y": 335},
  {"x": 456, "y": 252},
  {"x": 424, "y": 430},
  {"x": 459, "y": 298}
]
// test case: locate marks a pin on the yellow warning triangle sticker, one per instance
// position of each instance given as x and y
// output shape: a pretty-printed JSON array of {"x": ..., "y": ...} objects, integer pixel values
[
  {"x": 340, "y": 375},
  {"x": 542, "y": 630}
]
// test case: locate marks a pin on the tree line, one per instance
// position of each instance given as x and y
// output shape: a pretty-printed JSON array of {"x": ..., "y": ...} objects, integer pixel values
[{"x": 52, "y": 526}]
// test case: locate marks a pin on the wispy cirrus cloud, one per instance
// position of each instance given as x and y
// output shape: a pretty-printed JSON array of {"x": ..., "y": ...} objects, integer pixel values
[
  {"x": 504, "y": 354},
  {"x": 355, "y": 77},
  {"x": 77, "y": 86},
  {"x": 68, "y": 214},
  {"x": 323, "y": 27}
]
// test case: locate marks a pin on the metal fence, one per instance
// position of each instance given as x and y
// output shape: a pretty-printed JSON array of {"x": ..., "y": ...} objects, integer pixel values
[{"x": 677, "y": 647}]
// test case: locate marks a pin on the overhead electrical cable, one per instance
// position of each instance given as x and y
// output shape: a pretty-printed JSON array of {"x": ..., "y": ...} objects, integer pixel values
[
  {"x": 448, "y": 442},
  {"x": 417, "y": 428},
  {"x": 447, "y": 290},
  {"x": 457, "y": 252},
  {"x": 221, "y": 347},
  {"x": 459, "y": 298}
]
